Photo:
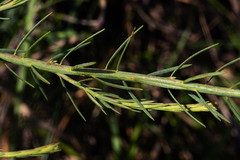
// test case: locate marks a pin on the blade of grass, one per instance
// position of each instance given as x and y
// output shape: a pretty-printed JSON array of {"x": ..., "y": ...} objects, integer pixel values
[
  {"x": 18, "y": 76},
  {"x": 184, "y": 109},
  {"x": 24, "y": 38}
]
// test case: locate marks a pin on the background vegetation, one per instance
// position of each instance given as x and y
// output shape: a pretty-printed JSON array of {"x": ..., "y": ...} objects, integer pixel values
[{"x": 173, "y": 30}]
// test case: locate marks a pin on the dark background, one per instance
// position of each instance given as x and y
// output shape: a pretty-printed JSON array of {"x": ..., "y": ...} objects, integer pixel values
[{"x": 173, "y": 31}]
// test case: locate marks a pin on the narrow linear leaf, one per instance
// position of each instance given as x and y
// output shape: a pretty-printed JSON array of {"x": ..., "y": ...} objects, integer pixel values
[
  {"x": 115, "y": 102},
  {"x": 108, "y": 94},
  {"x": 89, "y": 91},
  {"x": 24, "y": 38},
  {"x": 11, "y": 4},
  {"x": 36, "y": 43},
  {"x": 70, "y": 97},
  {"x": 214, "y": 112},
  {"x": 80, "y": 44},
  {"x": 119, "y": 48},
  {"x": 96, "y": 102},
  {"x": 51, "y": 148},
  {"x": 203, "y": 76},
  {"x": 137, "y": 101},
  {"x": 225, "y": 66},
  {"x": 108, "y": 106},
  {"x": 183, "y": 108},
  {"x": 126, "y": 107},
  {"x": 116, "y": 85},
  {"x": 65, "y": 52},
  {"x": 235, "y": 85},
  {"x": 39, "y": 84},
  {"x": 84, "y": 80},
  {"x": 2, "y": 18},
  {"x": 124, "y": 49},
  {"x": 192, "y": 56},
  {"x": 18, "y": 76},
  {"x": 168, "y": 70},
  {"x": 18, "y": 2},
  {"x": 201, "y": 101},
  {"x": 83, "y": 65},
  {"x": 6, "y": 50},
  {"x": 39, "y": 75},
  {"x": 232, "y": 108}
]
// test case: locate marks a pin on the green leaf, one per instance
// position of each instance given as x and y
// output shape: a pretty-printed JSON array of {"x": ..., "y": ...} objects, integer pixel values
[
  {"x": 235, "y": 85},
  {"x": 36, "y": 43},
  {"x": 225, "y": 66},
  {"x": 26, "y": 36},
  {"x": 64, "y": 53},
  {"x": 39, "y": 75},
  {"x": 192, "y": 56},
  {"x": 108, "y": 106},
  {"x": 137, "y": 101},
  {"x": 51, "y": 148},
  {"x": 120, "y": 58},
  {"x": 5, "y": 5},
  {"x": 80, "y": 44},
  {"x": 116, "y": 85},
  {"x": 232, "y": 108},
  {"x": 6, "y": 50},
  {"x": 121, "y": 46},
  {"x": 1, "y": 18},
  {"x": 183, "y": 108},
  {"x": 70, "y": 97},
  {"x": 76, "y": 67},
  {"x": 38, "y": 83},
  {"x": 108, "y": 94},
  {"x": 96, "y": 102},
  {"x": 168, "y": 70},
  {"x": 203, "y": 76},
  {"x": 204, "y": 103},
  {"x": 18, "y": 76}
]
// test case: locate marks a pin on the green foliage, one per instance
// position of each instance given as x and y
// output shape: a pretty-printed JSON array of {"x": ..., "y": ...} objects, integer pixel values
[{"x": 118, "y": 80}]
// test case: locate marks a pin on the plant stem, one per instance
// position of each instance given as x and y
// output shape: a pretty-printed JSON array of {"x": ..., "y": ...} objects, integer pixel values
[{"x": 164, "y": 82}]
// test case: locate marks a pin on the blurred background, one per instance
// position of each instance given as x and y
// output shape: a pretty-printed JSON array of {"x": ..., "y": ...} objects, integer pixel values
[{"x": 173, "y": 30}]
